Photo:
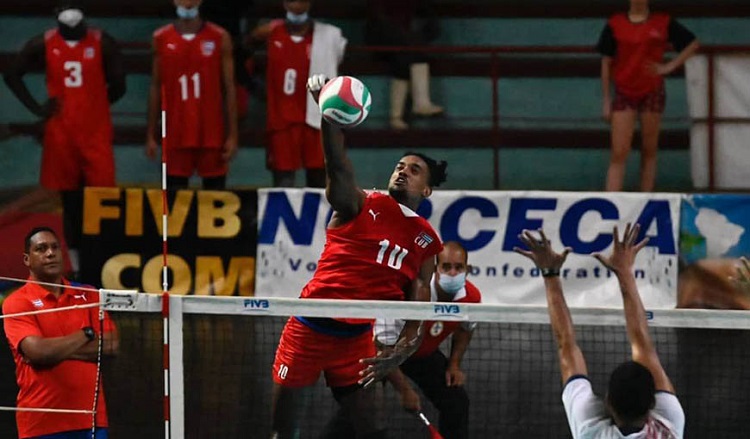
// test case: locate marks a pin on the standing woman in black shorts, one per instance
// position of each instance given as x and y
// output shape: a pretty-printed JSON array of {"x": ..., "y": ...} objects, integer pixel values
[{"x": 633, "y": 45}]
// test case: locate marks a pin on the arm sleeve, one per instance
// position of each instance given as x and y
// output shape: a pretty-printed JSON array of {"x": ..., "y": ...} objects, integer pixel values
[
  {"x": 18, "y": 328},
  {"x": 582, "y": 407},
  {"x": 679, "y": 35},
  {"x": 668, "y": 407},
  {"x": 607, "y": 45}
]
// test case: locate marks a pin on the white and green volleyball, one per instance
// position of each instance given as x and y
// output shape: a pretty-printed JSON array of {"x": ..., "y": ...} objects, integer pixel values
[{"x": 345, "y": 101}]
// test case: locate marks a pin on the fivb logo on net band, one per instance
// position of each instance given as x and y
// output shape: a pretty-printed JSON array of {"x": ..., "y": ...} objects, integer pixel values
[
  {"x": 524, "y": 212},
  {"x": 256, "y": 305},
  {"x": 447, "y": 310}
]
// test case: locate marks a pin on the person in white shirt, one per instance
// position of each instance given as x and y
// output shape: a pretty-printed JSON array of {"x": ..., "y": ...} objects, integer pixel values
[{"x": 640, "y": 402}]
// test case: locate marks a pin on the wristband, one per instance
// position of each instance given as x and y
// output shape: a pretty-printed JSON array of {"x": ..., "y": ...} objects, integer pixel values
[
  {"x": 550, "y": 272},
  {"x": 89, "y": 331}
]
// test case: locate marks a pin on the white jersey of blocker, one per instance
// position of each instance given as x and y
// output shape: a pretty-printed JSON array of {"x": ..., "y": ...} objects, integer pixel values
[{"x": 588, "y": 417}]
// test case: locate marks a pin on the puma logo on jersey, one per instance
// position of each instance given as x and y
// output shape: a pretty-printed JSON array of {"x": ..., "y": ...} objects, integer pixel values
[
  {"x": 80, "y": 296},
  {"x": 374, "y": 215},
  {"x": 278, "y": 44},
  {"x": 170, "y": 46}
]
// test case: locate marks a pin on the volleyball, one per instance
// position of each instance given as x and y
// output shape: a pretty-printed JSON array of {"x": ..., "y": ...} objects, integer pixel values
[{"x": 345, "y": 101}]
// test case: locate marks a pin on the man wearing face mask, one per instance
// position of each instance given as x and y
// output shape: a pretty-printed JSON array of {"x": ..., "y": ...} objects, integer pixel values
[
  {"x": 84, "y": 75},
  {"x": 298, "y": 48},
  {"x": 192, "y": 80},
  {"x": 440, "y": 379}
]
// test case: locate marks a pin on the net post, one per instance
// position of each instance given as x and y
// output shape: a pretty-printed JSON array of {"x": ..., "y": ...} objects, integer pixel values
[{"x": 176, "y": 383}]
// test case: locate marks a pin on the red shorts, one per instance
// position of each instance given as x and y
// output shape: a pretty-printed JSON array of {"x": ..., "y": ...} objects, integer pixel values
[
  {"x": 651, "y": 103},
  {"x": 299, "y": 146},
  {"x": 304, "y": 353},
  {"x": 72, "y": 160},
  {"x": 208, "y": 162}
]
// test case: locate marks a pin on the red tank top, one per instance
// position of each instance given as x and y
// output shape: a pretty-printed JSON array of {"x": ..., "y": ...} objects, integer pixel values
[
  {"x": 191, "y": 80},
  {"x": 75, "y": 76},
  {"x": 374, "y": 256},
  {"x": 286, "y": 77},
  {"x": 638, "y": 46}
]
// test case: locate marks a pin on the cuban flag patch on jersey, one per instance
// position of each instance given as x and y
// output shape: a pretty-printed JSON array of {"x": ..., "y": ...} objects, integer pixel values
[
  {"x": 208, "y": 47},
  {"x": 37, "y": 303},
  {"x": 423, "y": 239}
]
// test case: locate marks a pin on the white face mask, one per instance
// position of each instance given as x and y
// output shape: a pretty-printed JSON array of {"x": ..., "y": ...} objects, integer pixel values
[
  {"x": 70, "y": 17},
  {"x": 187, "y": 13},
  {"x": 452, "y": 284},
  {"x": 296, "y": 18}
]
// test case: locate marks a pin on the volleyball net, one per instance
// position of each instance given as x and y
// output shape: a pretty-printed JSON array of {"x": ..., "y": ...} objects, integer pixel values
[{"x": 220, "y": 351}]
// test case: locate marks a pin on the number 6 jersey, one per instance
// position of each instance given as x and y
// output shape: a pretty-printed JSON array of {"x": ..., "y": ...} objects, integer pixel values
[
  {"x": 375, "y": 255},
  {"x": 190, "y": 71}
]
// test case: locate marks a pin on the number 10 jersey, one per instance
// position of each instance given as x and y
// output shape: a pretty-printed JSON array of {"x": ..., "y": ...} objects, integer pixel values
[{"x": 375, "y": 255}]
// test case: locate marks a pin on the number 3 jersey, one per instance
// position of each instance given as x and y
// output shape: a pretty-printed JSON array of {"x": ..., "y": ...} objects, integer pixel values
[
  {"x": 190, "y": 69},
  {"x": 375, "y": 255},
  {"x": 75, "y": 77}
]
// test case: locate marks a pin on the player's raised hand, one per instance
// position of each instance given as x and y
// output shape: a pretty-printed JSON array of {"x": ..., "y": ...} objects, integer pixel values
[
  {"x": 624, "y": 251},
  {"x": 540, "y": 251},
  {"x": 314, "y": 84}
]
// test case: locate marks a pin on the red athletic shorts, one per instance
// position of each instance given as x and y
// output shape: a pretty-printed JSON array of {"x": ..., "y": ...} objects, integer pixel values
[
  {"x": 183, "y": 162},
  {"x": 299, "y": 146},
  {"x": 304, "y": 353},
  {"x": 651, "y": 103},
  {"x": 72, "y": 159}
]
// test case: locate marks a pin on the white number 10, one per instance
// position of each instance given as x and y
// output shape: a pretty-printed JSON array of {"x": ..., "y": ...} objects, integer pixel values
[{"x": 396, "y": 256}]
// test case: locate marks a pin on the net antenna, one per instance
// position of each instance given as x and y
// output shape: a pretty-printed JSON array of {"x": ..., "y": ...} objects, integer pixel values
[
  {"x": 165, "y": 267},
  {"x": 434, "y": 433}
]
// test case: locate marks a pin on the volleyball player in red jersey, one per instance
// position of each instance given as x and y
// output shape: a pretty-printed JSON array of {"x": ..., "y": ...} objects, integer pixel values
[
  {"x": 377, "y": 247},
  {"x": 84, "y": 75},
  {"x": 633, "y": 46},
  {"x": 292, "y": 124},
  {"x": 193, "y": 71}
]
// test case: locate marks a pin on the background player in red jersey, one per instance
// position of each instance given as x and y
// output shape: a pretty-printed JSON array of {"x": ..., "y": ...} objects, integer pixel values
[
  {"x": 633, "y": 45},
  {"x": 377, "y": 247},
  {"x": 84, "y": 76},
  {"x": 640, "y": 401},
  {"x": 193, "y": 72},
  {"x": 440, "y": 379},
  {"x": 297, "y": 47}
]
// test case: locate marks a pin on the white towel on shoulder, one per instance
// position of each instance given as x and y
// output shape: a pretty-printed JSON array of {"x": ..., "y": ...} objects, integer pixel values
[{"x": 327, "y": 51}]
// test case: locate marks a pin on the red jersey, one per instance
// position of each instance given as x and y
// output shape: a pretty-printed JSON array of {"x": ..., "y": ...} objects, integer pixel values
[
  {"x": 191, "y": 81},
  {"x": 75, "y": 77},
  {"x": 635, "y": 47},
  {"x": 69, "y": 384},
  {"x": 286, "y": 77},
  {"x": 375, "y": 255},
  {"x": 436, "y": 332}
]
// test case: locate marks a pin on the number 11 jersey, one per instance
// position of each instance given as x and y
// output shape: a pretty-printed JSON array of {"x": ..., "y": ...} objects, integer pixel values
[
  {"x": 375, "y": 255},
  {"x": 190, "y": 69}
]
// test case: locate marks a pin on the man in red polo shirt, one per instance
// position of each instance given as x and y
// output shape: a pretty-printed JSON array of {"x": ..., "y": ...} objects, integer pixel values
[{"x": 56, "y": 352}]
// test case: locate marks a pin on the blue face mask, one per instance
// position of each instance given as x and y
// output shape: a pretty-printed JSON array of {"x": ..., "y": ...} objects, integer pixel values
[
  {"x": 187, "y": 13},
  {"x": 296, "y": 18},
  {"x": 452, "y": 284}
]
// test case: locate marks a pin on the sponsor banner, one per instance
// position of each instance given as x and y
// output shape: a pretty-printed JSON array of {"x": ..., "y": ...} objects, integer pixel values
[
  {"x": 713, "y": 234},
  {"x": 291, "y": 235},
  {"x": 211, "y": 240}
]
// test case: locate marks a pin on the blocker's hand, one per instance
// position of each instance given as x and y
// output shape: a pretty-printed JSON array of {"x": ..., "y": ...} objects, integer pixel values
[{"x": 314, "y": 84}]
